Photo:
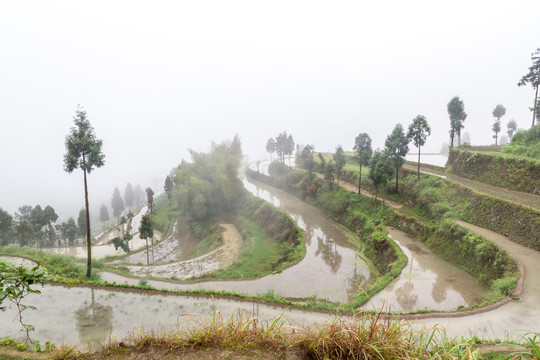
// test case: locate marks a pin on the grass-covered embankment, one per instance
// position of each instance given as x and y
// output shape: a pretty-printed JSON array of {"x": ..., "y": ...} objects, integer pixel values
[
  {"x": 515, "y": 167},
  {"x": 432, "y": 201},
  {"x": 435, "y": 198},
  {"x": 244, "y": 336}
]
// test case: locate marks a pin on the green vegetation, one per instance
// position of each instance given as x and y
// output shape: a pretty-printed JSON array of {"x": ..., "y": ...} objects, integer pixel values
[
  {"x": 244, "y": 336},
  {"x": 358, "y": 214},
  {"x": 456, "y": 111},
  {"x": 434, "y": 199},
  {"x": 62, "y": 265},
  {"x": 208, "y": 191},
  {"x": 533, "y": 78},
  {"x": 498, "y": 169},
  {"x": 525, "y": 143}
]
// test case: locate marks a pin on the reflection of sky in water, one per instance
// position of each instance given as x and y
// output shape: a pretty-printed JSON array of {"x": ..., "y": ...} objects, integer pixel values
[
  {"x": 427, "y": 282},
  {"x": 91, "y": 317},
  {"x": 330, "y": 270}
]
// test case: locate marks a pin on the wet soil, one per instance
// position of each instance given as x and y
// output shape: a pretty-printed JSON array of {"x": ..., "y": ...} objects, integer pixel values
[{"x": 222, "y": 257}]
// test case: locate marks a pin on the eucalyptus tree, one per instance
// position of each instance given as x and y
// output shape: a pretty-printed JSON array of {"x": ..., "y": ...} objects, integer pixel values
[
  {"x": 271, "y": 147},
  {"x": 83, "y": 152},
  {"x": 129, "y": 196},
  {"x": 103, "y": 214},
  {"x": 49, "y": 216},
  {"x": 363, "y": 151},
  {"x": 150, "y": 200},
  {"x": 381, "y": 170},
  {"x": 457, "y": 113},
  {"x": 117, "y": 203},
  {"x": 339, "y": 160},
  {"x": 6, "y": 227},
  {"x": 511, "y": 126},
  {"x": 329, "y": 174},
  {"x": 146, "y": 231},
  {"x": 498, "y": 113},
  {"x": 396, "y": 147},
  {"x": 533, "y": 78},
  {"x": 307, "y": 159},
  {"x": 168, "y": 186},
  {"x": 289, "y": 147},
  {"x": 496, "y": 129},
  {"x": 418, "y": 132}
]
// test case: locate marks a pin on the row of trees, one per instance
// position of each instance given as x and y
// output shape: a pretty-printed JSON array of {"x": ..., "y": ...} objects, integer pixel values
[
  {"x": 283, "y": 145},
  {"x": 458, "y": 115},
  {"x": 396, "y": 147},
  {"x": 34, "y": 226},
  {"x": 383, "y": 164}
]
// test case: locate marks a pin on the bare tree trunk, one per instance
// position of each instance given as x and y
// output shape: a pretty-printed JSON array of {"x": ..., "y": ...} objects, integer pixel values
[
  {"x": 534, "y": 106},
  {"x": 397, "y": 176},
  {"x": 360, "y": 176},
  {"x": 419, "y": 161},
  {"x": 88, "y": 241}
]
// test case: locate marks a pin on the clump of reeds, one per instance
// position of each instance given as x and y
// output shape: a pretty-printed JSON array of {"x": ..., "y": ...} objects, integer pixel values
[{"x": 364, "y": 336}]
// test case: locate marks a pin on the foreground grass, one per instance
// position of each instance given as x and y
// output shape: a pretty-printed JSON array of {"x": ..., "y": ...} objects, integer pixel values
[{"x": 245, "y": 336}]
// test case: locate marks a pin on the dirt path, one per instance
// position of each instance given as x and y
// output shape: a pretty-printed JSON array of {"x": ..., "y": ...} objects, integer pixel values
[
  {"x": 354, "y": 188},
  {"x": 219, "y": 258},
  {"x": 505, "y": 194}
]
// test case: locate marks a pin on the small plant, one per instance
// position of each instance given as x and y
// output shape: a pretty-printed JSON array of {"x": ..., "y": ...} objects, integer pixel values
[
  {"x": 143, "y": 282},
  {"x": 530, "y": 348},
  {"x": 21, "y": 346}
]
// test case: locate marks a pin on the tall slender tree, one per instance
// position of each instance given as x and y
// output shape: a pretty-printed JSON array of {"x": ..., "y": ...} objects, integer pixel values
[
  {"x": 168, "y": 186},
  {"x": 339, "y": 159},
  {"x": 103, "y": 214},
  {"x": 150, "y": 200},
  {"x": 381, "y": 170},
  {"x": 83, "y": 152},
  {"x": 396, "y": 147},
  {"x": 533, "y": 78},
  {"x": 511, "y": 126},
  {"x": 363, "y": 151},
  {"x": 419, "y": 130},
  {"x": 117, "y": 204},
  {"x": 457, "y": 113},
  {"x": 498, "y": 113},
  {"x": 146, "y": 231},
  {"x": 271, "y": 147},
  {"x": 129, "y": 196}
]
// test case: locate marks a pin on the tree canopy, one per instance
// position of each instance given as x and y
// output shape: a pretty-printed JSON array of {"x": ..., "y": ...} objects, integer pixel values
[
  {"x": 533, "y": 78},
  {"x": 363, "y": 151},
  {"x": 456, "y": 110},
  {"x": 396, "y": 147},
  {"x": 418, "y": 132}
]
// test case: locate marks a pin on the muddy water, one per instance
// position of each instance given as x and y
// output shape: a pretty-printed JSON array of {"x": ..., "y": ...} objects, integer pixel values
[
  {"x": 427, "y": 282},
  {"x": 331, "y": 269},
  {"x": 513, "y": 318},
  {"x": 90, "y": 317}
]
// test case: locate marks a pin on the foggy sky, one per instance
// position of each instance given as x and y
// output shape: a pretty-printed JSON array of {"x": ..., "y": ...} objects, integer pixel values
[{"x": 159, "y": 77}]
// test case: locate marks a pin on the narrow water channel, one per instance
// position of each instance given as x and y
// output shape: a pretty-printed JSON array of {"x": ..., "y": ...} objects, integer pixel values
[
  {"x": 427, "y": 282},
  {"x": 330, "y": 270}
]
